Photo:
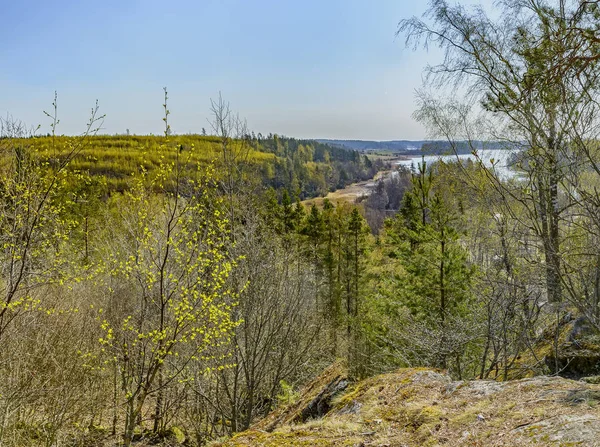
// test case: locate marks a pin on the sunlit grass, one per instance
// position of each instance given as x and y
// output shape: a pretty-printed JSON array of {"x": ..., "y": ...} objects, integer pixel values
[{"x": 116, "y": 159}]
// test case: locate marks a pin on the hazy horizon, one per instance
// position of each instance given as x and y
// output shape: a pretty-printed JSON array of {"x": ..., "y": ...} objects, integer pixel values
[{"x": 318, "y": 70}]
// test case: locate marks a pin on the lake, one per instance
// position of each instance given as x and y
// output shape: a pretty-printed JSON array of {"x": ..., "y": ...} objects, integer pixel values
[{"x": 500, "y": 157}]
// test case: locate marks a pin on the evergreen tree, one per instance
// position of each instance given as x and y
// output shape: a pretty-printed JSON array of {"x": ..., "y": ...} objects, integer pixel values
[
  {"x": 436, "y": 288},
  {"x": 329, "y": 259},
  {"x": 313, "y": 229},
  {"x": 299, "y": 213},
  {"x": 287, "y": 213},
  {"x": 355, "y": 230}
]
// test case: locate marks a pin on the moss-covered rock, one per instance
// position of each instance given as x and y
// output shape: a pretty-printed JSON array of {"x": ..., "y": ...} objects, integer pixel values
[
  {"x": 417, "y": 407},
  {"x": 569, "y": 348}
]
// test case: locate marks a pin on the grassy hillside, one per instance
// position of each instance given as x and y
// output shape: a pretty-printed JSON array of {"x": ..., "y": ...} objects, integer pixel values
[{"x": 303, "y": 168}]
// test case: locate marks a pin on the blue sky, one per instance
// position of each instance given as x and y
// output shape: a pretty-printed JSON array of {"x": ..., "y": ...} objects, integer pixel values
[{"x": 311, "y": 68}]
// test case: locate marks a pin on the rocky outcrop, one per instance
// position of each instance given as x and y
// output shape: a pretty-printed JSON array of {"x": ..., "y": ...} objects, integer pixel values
[
  {"x": 315, "y": 400},
  {"x": 568, "y": 349},
  {"x": 419, "y": 407},
  {"x": 578, "y": 354}
]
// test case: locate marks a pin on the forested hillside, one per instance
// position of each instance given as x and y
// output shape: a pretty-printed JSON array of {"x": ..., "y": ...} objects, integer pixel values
[
  {"x": 175, "y": 290},
  {"x": 166, "y": 286},
  {"x": 188, "y": 297}
]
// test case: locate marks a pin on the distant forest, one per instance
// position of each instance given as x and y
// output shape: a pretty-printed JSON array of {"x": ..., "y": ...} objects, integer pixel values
[{"x": 407, "y": 147}]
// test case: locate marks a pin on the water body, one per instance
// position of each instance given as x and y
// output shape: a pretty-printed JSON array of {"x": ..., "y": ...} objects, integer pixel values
[
  {"x": 500, "y": 158},
  {"x": 352, "y": 192}
]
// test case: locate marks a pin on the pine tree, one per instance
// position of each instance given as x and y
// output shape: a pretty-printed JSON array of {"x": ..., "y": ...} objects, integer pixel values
[
  {"x": 329, "y": 260},
  {"x": 436, "y": 289},
  {"x": 287, "y": 213},
  {"x": 355, "y": 245},
  {"x": 313, "y": 229}
]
